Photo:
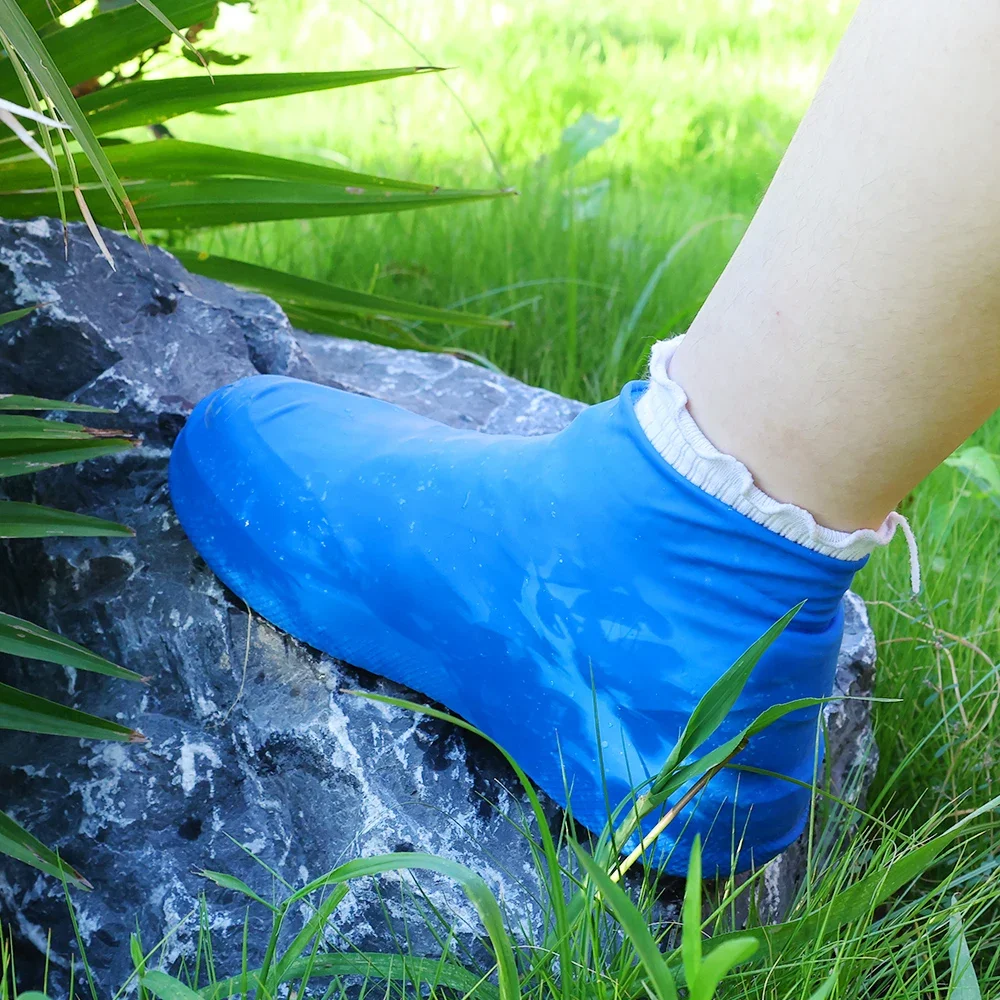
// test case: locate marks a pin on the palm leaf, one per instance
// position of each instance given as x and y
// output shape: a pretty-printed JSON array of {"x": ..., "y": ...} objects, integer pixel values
[
  {"x": 22, "y": 455},
  {"x": 225, "y": 201},
  {"x": 145, "y": 102},
  {"x": 289, "y": 290},
  {"x": 179, "y": 161},
  {"x": 31, "y": 520},
  {"x": 98, "y": 44},
  {"x": 16, "y": 842},
  {"x": 28, "y": 713},
  {"x": 23, "y": 638},
  {"x": 11, "y": 401},
  {"x": 40, "y": 64}
]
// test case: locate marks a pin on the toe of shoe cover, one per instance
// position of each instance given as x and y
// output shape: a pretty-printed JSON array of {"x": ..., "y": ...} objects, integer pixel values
[{"x": 569, "y": 594}]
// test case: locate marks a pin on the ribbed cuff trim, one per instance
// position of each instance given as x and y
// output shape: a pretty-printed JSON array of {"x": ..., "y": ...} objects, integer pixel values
[{"x": 663, "y": 414}]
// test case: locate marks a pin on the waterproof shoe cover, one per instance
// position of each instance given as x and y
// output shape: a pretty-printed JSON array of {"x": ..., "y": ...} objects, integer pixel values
[{"x": 522, "y": 581}]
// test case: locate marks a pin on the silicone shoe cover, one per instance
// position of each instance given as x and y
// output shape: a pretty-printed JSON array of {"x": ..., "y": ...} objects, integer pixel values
[{"x": 521, "y": 581}]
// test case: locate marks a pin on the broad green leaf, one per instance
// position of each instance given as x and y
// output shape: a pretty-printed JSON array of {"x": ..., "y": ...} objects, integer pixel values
[
  {"x": 23, "y": 638},
  {"x": 9, "y": 401},
  {"x": 318, "y": 296},
  {"x": 981, "y": 467},
  {"x": 19, "y": 456},
  {"x": 634, "y": 925},
  {"x": 392, "y": 968},
  {"x": 964, "y": 982},
  {"x": 475, "y": 889},
  {"x": 16, "y": 842},
  {"x": 166, "y": 987},
  {"x": 825, "y": 988},
  {"x": 223, "y": 201},
  {"x": 145, "y": 102},
  {"x": 581, "y": 138},
  {"x": 30, "y": 520},
  {"x": 691, "y": 918},
  {"x": 27, "y": 713},
  {"x": 720, "y": 963},
  {"x": 237, "y": 885}
]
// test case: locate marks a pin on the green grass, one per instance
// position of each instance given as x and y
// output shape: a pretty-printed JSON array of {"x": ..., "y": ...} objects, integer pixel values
[
  {"x": 593, "y": 266},
  {"x": 706, "y": 94}
]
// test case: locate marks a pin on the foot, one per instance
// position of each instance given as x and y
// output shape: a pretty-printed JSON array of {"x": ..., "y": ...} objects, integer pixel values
[{"x": 522, "y": 581}]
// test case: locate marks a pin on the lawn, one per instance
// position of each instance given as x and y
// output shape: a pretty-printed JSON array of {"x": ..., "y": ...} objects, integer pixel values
[{"x": 682, "y": 109}]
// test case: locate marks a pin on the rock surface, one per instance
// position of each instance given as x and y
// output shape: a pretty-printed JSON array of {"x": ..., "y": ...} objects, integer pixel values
[{"x": 250, "y": 734}]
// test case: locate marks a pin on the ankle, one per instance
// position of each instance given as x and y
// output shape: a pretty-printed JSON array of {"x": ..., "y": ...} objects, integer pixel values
[{"x": 666, "y": 419}]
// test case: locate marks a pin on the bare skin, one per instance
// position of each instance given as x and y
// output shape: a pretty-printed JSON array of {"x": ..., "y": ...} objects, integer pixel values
[{"x": 853, "y": 341}]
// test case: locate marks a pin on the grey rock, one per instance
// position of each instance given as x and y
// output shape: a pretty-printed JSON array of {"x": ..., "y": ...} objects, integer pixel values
[{"x": 251, "y": 735}]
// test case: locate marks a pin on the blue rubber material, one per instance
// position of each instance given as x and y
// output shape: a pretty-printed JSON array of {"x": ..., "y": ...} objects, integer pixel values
[{"x": 518, "y": 580}]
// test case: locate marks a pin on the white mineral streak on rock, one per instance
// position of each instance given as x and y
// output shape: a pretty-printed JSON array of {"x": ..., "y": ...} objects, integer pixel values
[{"x": 187, "y": 763}]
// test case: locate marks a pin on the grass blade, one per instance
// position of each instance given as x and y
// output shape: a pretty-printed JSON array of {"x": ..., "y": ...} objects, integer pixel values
[
  {"x": 964, "y": 982},
  {"x": 40, "y": 65},
  {"x": 475, "y": 889},
  {"x": 16, "y": 314},
  {"x": 392, "y": 968},
  {"x": 720, "y": 963},
  {"x": 98, "y": 44},
  {"x": 861, "y": 898},
  {"x": 181, "y": 161},
  {"x": 237, "y": 885},
  {"x": 225, "y": 201},
  {"x": 691, "y": 918},
  {"x": 718, "y": 700},
  {"x": 634, "y": 925}
]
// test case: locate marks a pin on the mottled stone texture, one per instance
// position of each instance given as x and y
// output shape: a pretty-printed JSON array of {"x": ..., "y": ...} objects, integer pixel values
[{"x": 251, "y": 736}]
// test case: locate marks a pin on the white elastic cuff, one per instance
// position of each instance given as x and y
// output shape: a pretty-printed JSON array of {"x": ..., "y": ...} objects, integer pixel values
[{"x": 663, "y": 414}]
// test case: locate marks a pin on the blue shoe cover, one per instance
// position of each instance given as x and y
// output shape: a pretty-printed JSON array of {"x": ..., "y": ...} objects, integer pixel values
[{"x": 520, "y": 581}]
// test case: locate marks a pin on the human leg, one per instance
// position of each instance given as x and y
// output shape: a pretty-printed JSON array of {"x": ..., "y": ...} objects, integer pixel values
[{"x": 854, "y": 339}]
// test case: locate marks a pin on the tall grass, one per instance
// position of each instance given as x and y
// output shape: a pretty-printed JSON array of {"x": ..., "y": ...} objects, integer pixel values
[{"x": 903, "y": 910}]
